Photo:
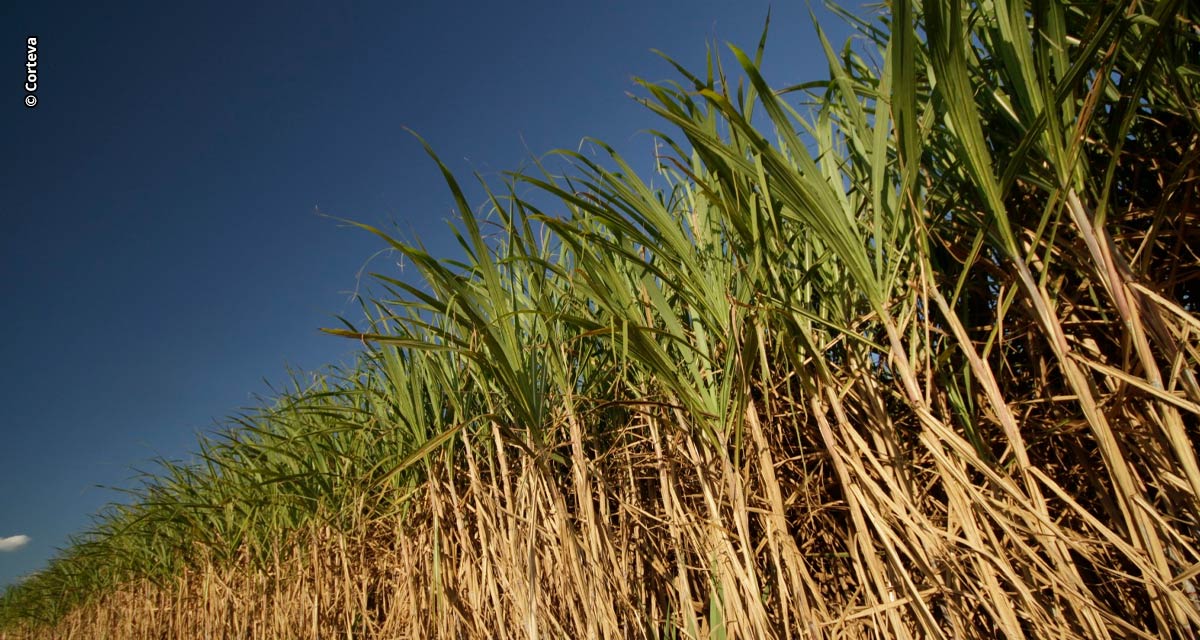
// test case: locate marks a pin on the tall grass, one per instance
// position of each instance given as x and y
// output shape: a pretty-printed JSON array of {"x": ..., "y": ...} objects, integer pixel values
[{"x": 907, "y": 352}]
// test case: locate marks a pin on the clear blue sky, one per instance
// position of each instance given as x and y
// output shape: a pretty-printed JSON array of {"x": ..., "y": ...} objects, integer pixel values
[{"x": 160, "y": 256}]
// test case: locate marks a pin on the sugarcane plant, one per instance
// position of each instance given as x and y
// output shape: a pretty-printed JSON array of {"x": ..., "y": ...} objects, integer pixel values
[{"x": 907, "y": 351}]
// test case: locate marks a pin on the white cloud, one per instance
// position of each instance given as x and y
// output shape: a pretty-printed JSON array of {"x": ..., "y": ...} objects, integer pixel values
[{"x": 13, "y": 543}]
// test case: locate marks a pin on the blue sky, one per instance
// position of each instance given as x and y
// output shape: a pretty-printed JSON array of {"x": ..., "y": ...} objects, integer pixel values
[{"x": 161, "y": 255}]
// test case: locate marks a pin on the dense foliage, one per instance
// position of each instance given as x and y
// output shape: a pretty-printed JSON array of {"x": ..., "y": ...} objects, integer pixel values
[{"x": 918, "y": 361}]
